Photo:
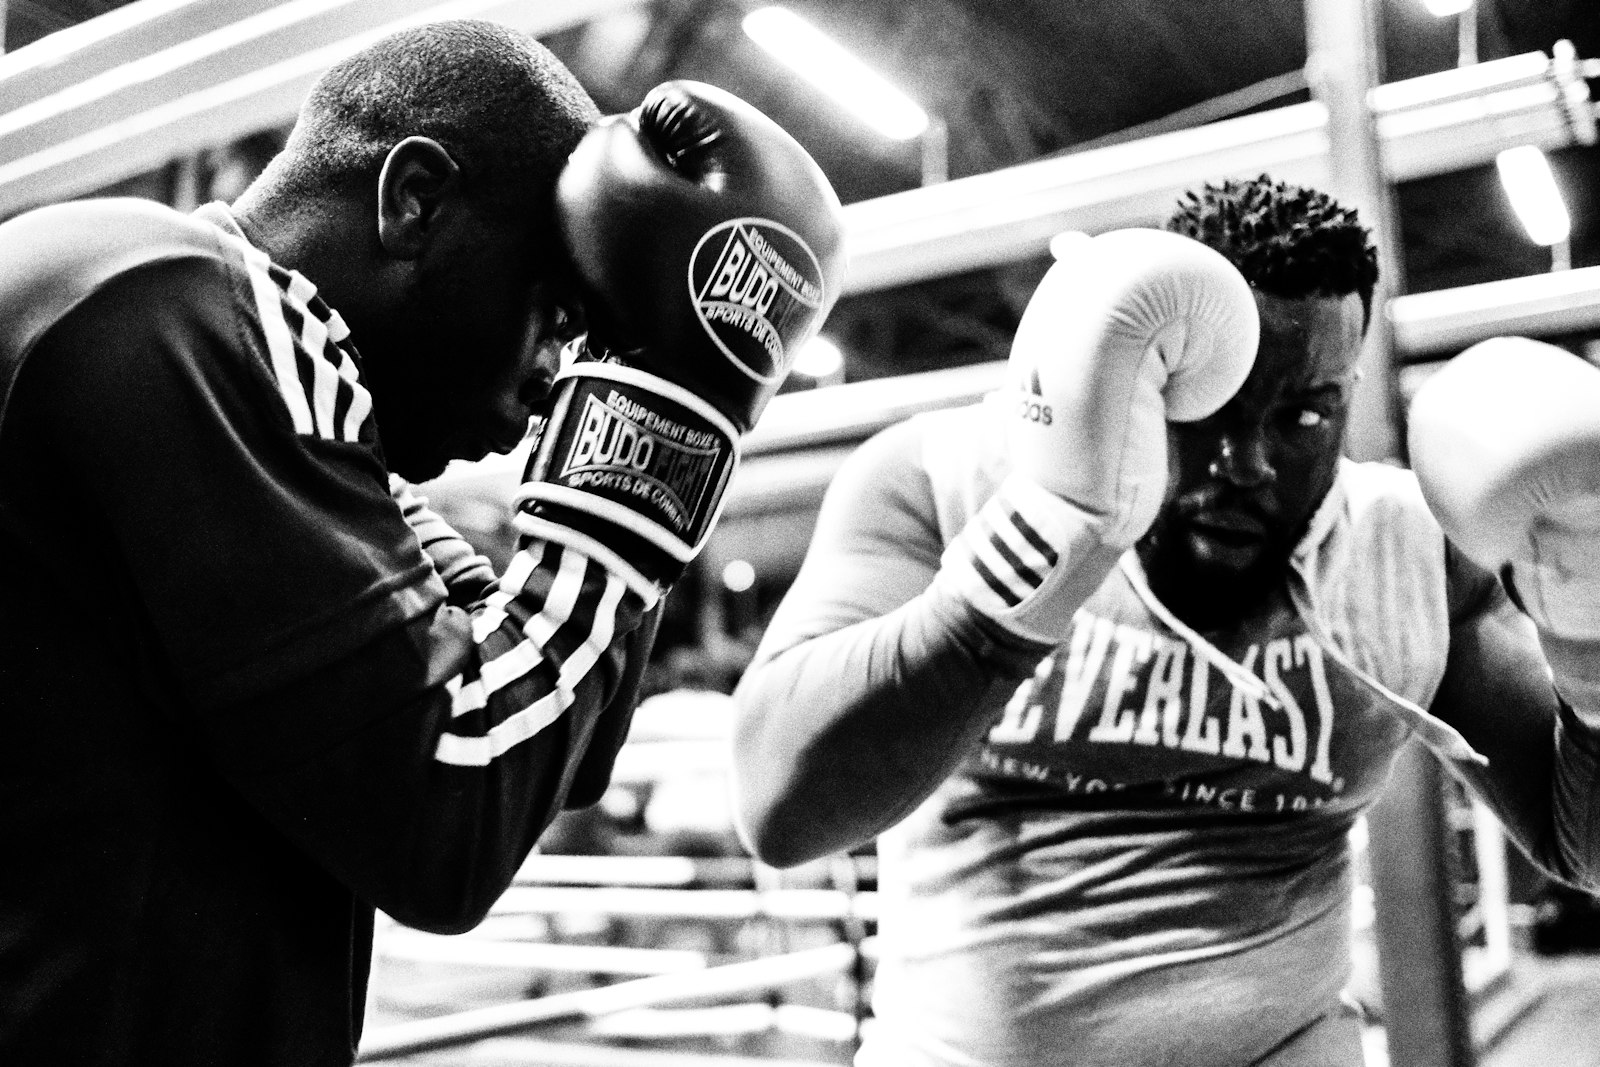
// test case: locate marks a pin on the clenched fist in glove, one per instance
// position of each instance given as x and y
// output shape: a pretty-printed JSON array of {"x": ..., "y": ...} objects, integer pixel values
[
  {"x": 707, "y": 247},
  {"x": 1505, "y": 442},
  {"x": 1131, "y": 329}
]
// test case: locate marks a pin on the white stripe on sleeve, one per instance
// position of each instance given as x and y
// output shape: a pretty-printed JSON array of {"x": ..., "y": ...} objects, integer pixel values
[
  {"x": 479, "y": 751},
  {"x": 280, "y": 342},
  {"x": 507, "y": 667}
]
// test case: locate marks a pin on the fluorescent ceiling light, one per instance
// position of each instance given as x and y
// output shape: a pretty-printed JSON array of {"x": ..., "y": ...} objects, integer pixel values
[
  {"x": 827, "y": 65},
  {"x": 1535, "y": 198},
  {"x": 818, "y": 358},
  {"x": 1442, "y": 8}
]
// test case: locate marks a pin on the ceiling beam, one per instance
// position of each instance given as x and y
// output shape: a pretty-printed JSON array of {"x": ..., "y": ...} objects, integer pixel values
[
  {"x": 124, "y": 93},
  {"x": 128, "y": 34},
  {"x": 1430, "y": 125},
  {"x": 167, "y": 78},
  {"x": 1443, "y": 322}
]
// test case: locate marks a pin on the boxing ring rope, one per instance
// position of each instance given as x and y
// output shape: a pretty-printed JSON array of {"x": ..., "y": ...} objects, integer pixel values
[
  {"x": 472, "y": 951},
  {"x": 648, "y": 888},
  {"x": 659, "y": 871},
  {"x": 1445, "y": 321},
  {"x": 532, "y": 1053},
  {"x": 792, "y": 905},
  {"x": 726, "y": 1020},
  {"x": 743, "y": 977},
  {"x": 528, "y": 1053}
]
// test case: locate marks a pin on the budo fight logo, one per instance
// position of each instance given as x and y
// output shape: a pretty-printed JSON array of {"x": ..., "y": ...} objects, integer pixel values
[
  {"x": 758, "y": 289},
  {"x": 636, "y": 447}
]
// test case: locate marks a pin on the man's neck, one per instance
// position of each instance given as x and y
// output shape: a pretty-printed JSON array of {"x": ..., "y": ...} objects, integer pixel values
[
  {"x": 1211, "y": 601},
  {"x": 320, "y": 241}
]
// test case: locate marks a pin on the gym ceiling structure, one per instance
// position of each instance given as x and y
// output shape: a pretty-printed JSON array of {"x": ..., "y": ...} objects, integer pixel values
[{"x": 1045, "y": 116}]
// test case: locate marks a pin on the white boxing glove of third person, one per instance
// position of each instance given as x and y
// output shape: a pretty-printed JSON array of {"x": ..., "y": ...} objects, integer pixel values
[
  {"x": 1505, "y": 441},
  {"x": 1131, "y": 329}
]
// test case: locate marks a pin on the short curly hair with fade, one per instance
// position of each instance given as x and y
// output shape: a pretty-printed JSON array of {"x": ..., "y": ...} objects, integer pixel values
[
  {"x": 1285, "y": 239},
  {"x": 504, "y": 107}
]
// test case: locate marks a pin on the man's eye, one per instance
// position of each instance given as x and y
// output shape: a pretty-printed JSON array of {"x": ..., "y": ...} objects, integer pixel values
[
  {"x": 566, "y": 326},
  {"x": 554, "y": 327}
]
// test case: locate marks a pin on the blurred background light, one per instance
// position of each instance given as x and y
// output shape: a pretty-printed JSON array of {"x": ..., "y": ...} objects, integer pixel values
[
  {"x": 830, "y": 67},
  {"x": 1534, "y": 195},
  {"x": 819, "y": 358},
  {"x": 738, "y": 576}
]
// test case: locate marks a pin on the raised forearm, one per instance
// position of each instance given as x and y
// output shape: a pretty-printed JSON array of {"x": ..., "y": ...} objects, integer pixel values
[{"x": 840, "y": 736}]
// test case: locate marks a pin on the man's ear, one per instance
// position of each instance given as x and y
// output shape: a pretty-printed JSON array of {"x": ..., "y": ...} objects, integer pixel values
[{"x": 417, "y": 177}]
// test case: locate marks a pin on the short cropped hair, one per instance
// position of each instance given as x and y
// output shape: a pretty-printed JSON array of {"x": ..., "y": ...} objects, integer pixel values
[
  {"x": 504, "y": 107},
  {"x": 1286, "y": 240}
]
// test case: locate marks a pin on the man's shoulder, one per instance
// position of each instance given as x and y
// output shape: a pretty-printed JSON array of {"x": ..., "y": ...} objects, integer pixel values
[
  {"x": 106, "y": 235},
  {"x": 1371, "y": 487},
  {"x": 54, "y": 259}
]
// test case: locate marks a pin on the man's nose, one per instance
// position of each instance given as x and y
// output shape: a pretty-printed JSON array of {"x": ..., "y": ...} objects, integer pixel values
[{"x": 1242, "y": 459}]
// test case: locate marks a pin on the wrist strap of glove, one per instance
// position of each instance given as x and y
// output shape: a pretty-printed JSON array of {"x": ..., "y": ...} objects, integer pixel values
[
  {"x": 637, "y": 451},
  {"x": 1560, "y": 590},
  {"x": 646, "y": 589},
  {"x": 1028, "y": 560}
]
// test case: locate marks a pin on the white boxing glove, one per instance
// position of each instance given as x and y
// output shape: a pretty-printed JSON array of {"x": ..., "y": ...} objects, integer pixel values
[
  {"x": 1505, "y": 442},
  {"x": 1131, "y": 329}
]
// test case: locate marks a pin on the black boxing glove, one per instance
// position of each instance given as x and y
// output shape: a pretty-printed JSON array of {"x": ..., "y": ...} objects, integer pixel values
[{"x": 707, "y": 246}]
